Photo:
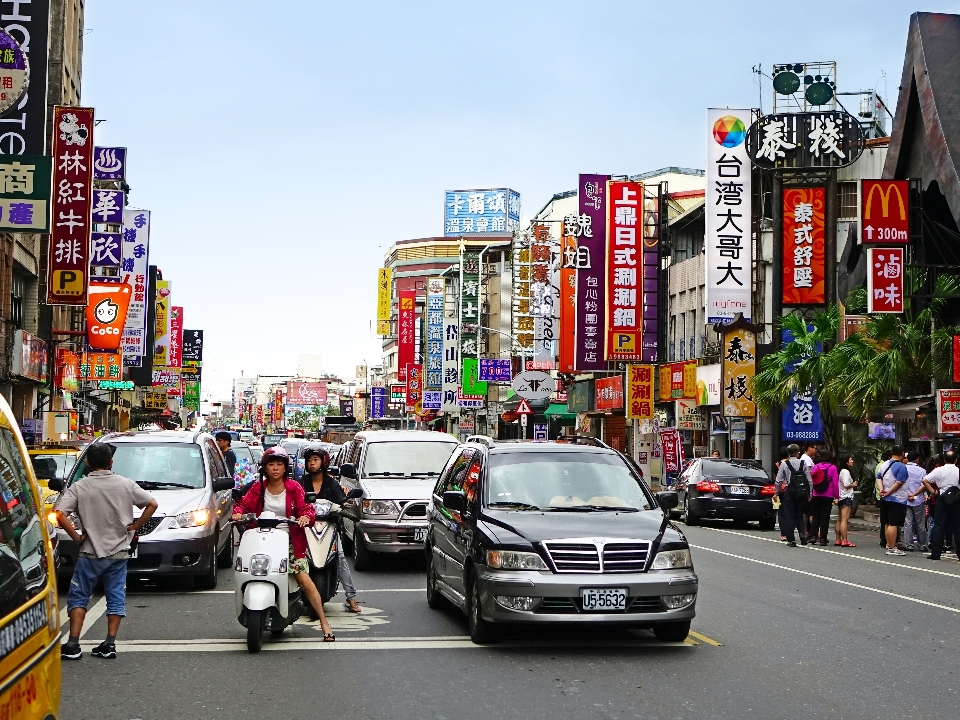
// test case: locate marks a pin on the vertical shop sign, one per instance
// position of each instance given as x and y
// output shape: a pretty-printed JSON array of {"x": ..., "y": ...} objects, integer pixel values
[
  {"x": 639, "y": 403},
  {"x": 435, "y": 296},
  {"x": 885, "y": 280},
  {"x": 135, "y": 258},
  {"x": 23, "y": 128},
  {"x": 414, "y": 387},
  {"x": 676, "y": 380},
  {"x": 729, "y": 248},
  {"x": 672, "y": 449},
  {"x": 666, "y": 383},
  {"x": 884, "y": 211},
  {"x": 651, "y": 272},
  {"x": 383, "y": 300},
  {"x": 451, "y": 364},
  {"x": 801, "y": 417},
  {"x": 469, "y": 304},
  {"x": 690, "y": 380},
  {"x": 624, "y": 290},
  {"x": 175, "y": 355},
  {"x": 161, "y": 333},
  {"x": 591, "y": 269},
  {"x": 739, "y": 367},
  {"x": 192, "y": 346},
  {"x": 406, "y": 331},
  {"x": 948, "y": 411},
  {"x": 378, "y": 402},
  {"x": 543, "y": 297},
  {"x": 803, "y": 245},
  {"x": 568, "y": 294},
  {"x": 523, "y": 325},
  {"x": 68, "y": 261},
  {"x": 107, "y": 206},
  {"x": 278, "y": 406},
  {"x": 191, "y": 395},
  {"x": 956, "y": 358}
]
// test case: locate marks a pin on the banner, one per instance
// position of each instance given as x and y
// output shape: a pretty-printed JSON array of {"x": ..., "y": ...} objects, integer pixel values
[
  {"x": 885, "y": 280},
  {"x": 378, "y": 402},
  {"x": 739, "y": 367},
  {"x": 451, "y": 364},
  {"x": 591, "y": 272},
  {"x": 176, "y": 336},
  {"x": 406, "y": 331},
  {"x": 106, "y": 314},
  {"x": 672, "y": 449},
  {"x": 801, "y": 418},
  {"x": 609, "y": 393},
  {"x": 624, "y": 308},
  {"x": 729, "y": 248},
  {"x": 300, "y": 392},
  {"x": 803, "y": 245},
  {"x": 161, "y": 333},
  {"x": 639, "y": 403},
  {"x": 68, "y": 260},
  {"x": 436, "y": 287},
  {"x": 135, "y": 259},
  {"x": 884, "y": 211},
  {"x": 568, "y": 294},
  {"x": 948, "y": 411},
  {"x": 414, "y": 388},
  {"x": 192, "y": 346},
  {"x": 384, "y": 276}
]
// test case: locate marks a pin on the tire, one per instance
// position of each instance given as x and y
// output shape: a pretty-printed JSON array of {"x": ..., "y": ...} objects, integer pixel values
[
  {"x": 689, "y": 518},
  {"x": 768, "y": 523},
  {"x": 254, "y": 630},
  {"x": 277, "y": 633},
  {"x": 435, "y": 601},
  {"x": 362, "y": 557},
  {"x": 225, "y": 556},
  {"x": 672, "y": 632},
  {"x": 208, "y": 580},
  {"x": 481, "y": 631}
]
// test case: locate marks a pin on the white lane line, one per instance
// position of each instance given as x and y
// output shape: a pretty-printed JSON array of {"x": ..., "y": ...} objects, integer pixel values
[
  {"x": 94, "y": 614},
  {"x": 230, "y": 592},
  {"x": 65, "y": 616},
  {"x": 841, "y": 554},
  {"x": 830, "y": 579},
  {"x": 364, "y": 590}
]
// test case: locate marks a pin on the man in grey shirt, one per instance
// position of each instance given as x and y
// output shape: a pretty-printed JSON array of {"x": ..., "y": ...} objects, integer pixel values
[
  {"x": 792, "y": 495},
  {"x": 104, "y": 501}
]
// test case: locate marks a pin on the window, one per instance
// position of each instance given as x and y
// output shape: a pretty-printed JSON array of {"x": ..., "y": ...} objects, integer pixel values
[
  {"x": 458, "y": 473},
  {"x": 398, "y": 459},
  {"x": 17, "y": 294},
  {"x": 217, "y": 467},
  {"x": 154, "y": 465},
  {"x": 847, "y": 200}
]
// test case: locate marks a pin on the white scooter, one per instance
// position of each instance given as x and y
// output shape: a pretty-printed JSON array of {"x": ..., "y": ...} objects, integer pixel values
[{"x": 267, "y": 597}]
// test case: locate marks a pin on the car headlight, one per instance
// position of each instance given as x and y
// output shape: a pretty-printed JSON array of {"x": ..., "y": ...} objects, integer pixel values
[
  {"x": 511, "y": 560},
  {"x": 379, "y": 507},
  {"x": 260, "y": 565},
  {"x": 194, "y": 518},
  {"x": 672, "y": 559}
]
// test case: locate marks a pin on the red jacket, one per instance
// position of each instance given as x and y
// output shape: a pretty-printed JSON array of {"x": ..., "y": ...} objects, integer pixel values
[{"x": 297, "y": 507}]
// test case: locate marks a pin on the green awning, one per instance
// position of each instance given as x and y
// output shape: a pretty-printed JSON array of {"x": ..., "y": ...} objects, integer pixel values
[{"x": 559, "y": 410}]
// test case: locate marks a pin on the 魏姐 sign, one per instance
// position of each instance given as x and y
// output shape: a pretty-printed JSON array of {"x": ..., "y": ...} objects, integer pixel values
[{"x": 591, "y": 261}]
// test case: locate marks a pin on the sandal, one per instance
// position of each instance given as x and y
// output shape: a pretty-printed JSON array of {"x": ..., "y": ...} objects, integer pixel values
[
  {"x": 352, "y": 608},
  {"x": 849, "y": 544},
  {"x": 329, "y": 637}
]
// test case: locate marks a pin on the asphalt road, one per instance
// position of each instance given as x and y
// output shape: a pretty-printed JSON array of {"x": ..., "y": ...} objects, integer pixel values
[{"x": 780, "y": 633}]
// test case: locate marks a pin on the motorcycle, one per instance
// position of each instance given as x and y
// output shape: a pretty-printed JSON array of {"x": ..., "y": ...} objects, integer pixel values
[{"x": 322, "y": 543}]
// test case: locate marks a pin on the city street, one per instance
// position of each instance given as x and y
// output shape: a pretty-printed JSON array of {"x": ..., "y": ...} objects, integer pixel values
[{"x": 812, "y": 632}]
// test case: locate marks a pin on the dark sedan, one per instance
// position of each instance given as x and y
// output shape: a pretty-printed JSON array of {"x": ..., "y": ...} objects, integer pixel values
[{"x": 738, "y": 490}]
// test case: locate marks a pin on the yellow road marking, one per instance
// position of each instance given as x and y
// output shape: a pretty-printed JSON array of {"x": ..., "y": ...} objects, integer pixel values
[
  {"x": 690, "y": 641},
  {"x": 704, "y": 638}
]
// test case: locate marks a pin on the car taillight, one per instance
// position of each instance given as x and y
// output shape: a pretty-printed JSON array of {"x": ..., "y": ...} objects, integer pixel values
[
  {"x": 768, "y": 490},
  {"x": 708, "y": 486}
]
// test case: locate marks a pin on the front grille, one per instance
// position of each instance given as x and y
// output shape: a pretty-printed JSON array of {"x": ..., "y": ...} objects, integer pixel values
[
  {"x": 574, "y": 606},
  {"x": 380, "y": 537},
  {"x": 573, "y": 557},
  {"x": 149, "y": 526},
  {"x": 408, "y": 536},
  {"x": 415, "y": 510},
  {"x": 644, "y": 604},
  {"x": 557, "y": 605},
  {"x": 145, "y": 562},
  {"x": 625, "y": 557}
]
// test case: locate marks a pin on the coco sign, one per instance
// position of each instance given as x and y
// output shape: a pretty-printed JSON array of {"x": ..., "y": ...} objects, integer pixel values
[{"x": 106, "y": 314}]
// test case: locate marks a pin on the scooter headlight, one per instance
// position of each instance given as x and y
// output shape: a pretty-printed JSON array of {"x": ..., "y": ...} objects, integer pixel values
[{"x": 260, "y": 565}]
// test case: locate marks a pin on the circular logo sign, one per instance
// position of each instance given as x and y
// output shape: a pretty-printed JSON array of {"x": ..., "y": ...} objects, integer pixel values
[
  {"x": 534, "y": 385},
  {"x": 729, "y": 131},
  {"x": 14, "y": 71}
]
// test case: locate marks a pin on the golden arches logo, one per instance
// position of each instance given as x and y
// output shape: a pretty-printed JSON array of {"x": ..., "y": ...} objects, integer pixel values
[{"x": 884, "y": 200}]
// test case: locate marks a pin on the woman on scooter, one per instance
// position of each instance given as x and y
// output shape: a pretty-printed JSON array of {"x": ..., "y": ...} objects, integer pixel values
[
  {"x": 316, "y": 479},
  {"x": 284, "y": 497}
]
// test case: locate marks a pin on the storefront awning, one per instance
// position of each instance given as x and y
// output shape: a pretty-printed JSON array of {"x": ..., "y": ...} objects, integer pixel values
[{"x": 558, "y": 410}]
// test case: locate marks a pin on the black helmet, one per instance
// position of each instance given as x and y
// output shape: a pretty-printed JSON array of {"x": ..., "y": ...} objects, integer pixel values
[{"x": 318, "y": 450}]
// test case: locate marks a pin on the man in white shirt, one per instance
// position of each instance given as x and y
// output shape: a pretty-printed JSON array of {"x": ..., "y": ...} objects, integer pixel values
[{"x": 945, "y": 483}]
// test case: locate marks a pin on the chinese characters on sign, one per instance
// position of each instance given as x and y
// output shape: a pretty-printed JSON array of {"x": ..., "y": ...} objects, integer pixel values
[
  {"x": 434, "y": 373},
  {"x": 885, "y": 280},
  {"x": 523, "y": 321},
  {"x": 24, "y": 192},
  {"x": 414, "y": 387},
  {"x": 383, "y": 301},
  {"x": 108, "y": 207},
  {"x": 175, "y": 358},
  {"x": 135, "y": 262},
  {"x": 192, "y": 346},
  {"x": 69, "y": 256},
  {"x": 543, "y": 280},
  {"x": 739, "y": 366},
  {"x": 624, "y": 310},
  {"x": 948, "y": 411},
  {"x": 495, "y": 369},
  {"x": 451, "y": 364},
  {"x": 803, "y": 245},
  {"x": 110, "y": 163},
  {"x": 306, "y": 393},
  {"x": 161, "y": 333},
  {"x": 591, "y": 235},
  {"x": 469, "y": 305},
  {"x": 666, "y": 383},
  {"x": 406, "y": 331},
  {"x": 568, "y": 294},
  {"x": 805, "y": 140},
  {"x": 609, "y": 392},
  {"x": 481, "y": 211},
  {"x": 14, "y": 71},
  {"x": 378, "y": 402},
  {"x": 672, "y": 448},
  {"x": 801, "y": 417},
  {"x": 640, "y": 392},
  {"x": 729, "y": 248},
  {"x": 884, "y": 211},
  {"x": 102, "y": 366}
]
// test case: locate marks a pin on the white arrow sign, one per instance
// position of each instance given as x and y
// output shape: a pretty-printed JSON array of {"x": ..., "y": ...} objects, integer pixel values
[{"x": 869, "y": 232}]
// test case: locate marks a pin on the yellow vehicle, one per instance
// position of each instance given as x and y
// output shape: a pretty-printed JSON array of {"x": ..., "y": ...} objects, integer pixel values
[
  {"x": 29, "y": 617},
  {"x": 64, "y": 455}
]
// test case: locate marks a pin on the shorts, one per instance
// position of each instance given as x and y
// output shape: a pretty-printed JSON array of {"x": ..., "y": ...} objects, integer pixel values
[
  {"x": 896, "y": 513},
  {"x": 85, "y": 576},
  {"x": 298, "y": 565},
  {"x": 845, "y": 502}
]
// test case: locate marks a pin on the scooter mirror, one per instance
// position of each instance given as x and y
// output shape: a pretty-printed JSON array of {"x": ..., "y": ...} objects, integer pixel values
[
  {"x": 354, "y": 494},
  {"x": 311, "y": 497}
]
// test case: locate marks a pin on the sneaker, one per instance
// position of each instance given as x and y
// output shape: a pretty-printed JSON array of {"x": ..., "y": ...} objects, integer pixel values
[
  {"x": 909, "y": 548},
  {"x": 791, "y": 543},
  {"x": 70, "y": 652},
  {"x": 933, "y": 557},
  {"x": 895, "y": 551},
  {"x": 105, "y": 650},
  {"x": 803, "y": 541}
]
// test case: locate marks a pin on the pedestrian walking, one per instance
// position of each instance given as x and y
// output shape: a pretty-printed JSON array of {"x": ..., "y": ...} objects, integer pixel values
[
  {"x": 894, "y": 497},
  {"x": 878, "y": 488},
  {"x": 104, "y": 502},
  {"x": 945, "y": 483},
  {"x": 845, "y": 501},
  {"x": 915, "y": 526},
  {"x": 793, "y": 483},
  {"x": 223, "y": 442},
  {"x": 778, "y": 500},
  {"x": 824, "y": 493},
  {"x": 809, "y": 453}
]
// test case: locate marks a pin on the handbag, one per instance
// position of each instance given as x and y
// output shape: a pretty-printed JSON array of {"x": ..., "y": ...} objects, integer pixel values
[
  {"x": 950, "y": 496},
  {"x": 318, "y": 543}
]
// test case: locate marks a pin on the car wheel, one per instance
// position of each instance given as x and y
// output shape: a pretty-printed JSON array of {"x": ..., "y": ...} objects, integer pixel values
[
  {"x": 254, "y": 630},
  {"x": 672, "y": 632},
  {"x": 225, "y": 557},
  {"x": 688, "y": 517},
  {"x": 768, "y": 523},
  {"x": 362, "y": 557},
  {"x": 481, "y": 631},
  {"x": 435, "y": 601},
  {"x": 208, "y": 581}
]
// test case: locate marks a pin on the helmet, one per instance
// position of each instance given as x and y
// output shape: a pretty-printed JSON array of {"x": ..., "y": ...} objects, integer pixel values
[
  {"x": 275, "y": 453},
  {"x": 318, "y": 450}
]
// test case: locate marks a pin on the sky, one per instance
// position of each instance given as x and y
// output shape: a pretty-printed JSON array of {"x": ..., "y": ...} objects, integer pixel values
[{"x": 283, "y": 146}]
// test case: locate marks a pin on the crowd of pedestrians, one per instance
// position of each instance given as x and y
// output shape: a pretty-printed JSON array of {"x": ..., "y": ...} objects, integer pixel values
[{"x": 919, "y": 502}]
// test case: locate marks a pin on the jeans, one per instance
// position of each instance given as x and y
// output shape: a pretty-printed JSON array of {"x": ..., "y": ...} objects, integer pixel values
[
  {"x": 343, "y": 572},
  {"x": 85, "y": 576},
  {"x": 946, "y": 525},
  {"x": 916, "y": 524},
  {"x": 792, "y": 508},
  {"x": 820, "y": 508}
]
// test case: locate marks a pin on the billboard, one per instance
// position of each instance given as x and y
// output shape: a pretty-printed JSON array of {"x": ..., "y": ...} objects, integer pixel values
[
  {"x": 383, "y": 300},
  {"x": 472, "y": 212},
  {"x": 591, "y": 268},
  {"x": 884, "y": 211},
  {"x": 885, "y": 279},
  {"x": 303, "y": 392},
  {"x": 406, "y": 331},
  {"x": 803, "y": 245},
  {"x": 436, "y": 287},
  {"x": 624, "y": 309},
  {"x": 135, "y": 258}
]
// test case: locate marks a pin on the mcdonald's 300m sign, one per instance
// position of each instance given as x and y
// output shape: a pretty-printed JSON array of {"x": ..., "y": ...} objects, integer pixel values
[{"x": 885, "y": 211}]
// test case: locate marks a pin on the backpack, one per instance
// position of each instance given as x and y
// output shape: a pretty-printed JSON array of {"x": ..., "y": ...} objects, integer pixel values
[
  {"x": 799, "y": 484},
  {"x": 821, "y": 481}
]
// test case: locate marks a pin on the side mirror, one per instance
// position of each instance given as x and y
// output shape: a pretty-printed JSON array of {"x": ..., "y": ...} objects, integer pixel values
[
  {"x": 334, "y": 470},
  {"x": 455, "y": 501},
  {"x": 348, "y": 470},
  {"x": 55, "y": 484},
  {"x": 311, "y": 497},
  {"x": 237, "y": 493},
  {"x": 355, "y": 494},
  {"x": 223, "y": 483},
  {"x": 667, "y": 499}
]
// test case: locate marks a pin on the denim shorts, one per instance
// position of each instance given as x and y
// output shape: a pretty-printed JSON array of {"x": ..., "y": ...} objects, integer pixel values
[
  {"x": 845, "y": 502},
  {"x": 84, "y": 582}
]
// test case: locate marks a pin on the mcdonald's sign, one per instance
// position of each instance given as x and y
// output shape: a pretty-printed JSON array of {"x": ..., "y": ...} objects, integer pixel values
[{"x": 884, "y": 211}]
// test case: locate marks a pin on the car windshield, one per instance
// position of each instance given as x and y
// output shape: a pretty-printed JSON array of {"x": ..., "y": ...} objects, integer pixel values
[
  {"x": 64, "y": 462},
  {"x": 711, "y": 468},
  {"x": 399, "y": 459},
  {"x": 155, "y": 465},
  {"x": 257, "y": 453},
  {"x": 590, "y": 481},
  {"x": 242, "y": 452}
]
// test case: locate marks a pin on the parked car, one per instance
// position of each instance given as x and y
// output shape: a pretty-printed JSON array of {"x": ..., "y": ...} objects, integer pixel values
[
  {"x": 189, "y": 534},
  {"x": 482, "y": 439},
  {"x": 739, "y": 490},
  {"x": 396, "y": 469},
  {"x": 270, "y": 440},
  {"x": 62, "y": 456},
  {"x": 556, "y": 533}
]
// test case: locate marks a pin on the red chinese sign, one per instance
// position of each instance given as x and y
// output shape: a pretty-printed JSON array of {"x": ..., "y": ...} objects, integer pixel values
[
  {"x": 106, "y": 314},
  {"x": 414, "y": 387},
  {"x": 803, "y": 245},
  {"x": 68, "y": 370},
  {"x": 676, "y": 380},
  {"x": 672, "y": 449},
  {"x": 885, "y": 280},
  {"x": 639, "y": 391},
  {"x": 624, "y": 271},
  {"x": 278, "y": 405},
  {"x": 609, "y": 393},
  {"x": 568, "y": 302},
  {"x": 175, "y": 355},
  {"x": 406, "y": 331},
  {"x": 885, "y": 211},
  {"x": 68, "y": 259},
  {"x": 948, "y": 411}
]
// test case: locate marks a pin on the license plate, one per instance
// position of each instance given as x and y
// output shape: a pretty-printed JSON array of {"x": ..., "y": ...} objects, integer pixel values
[
  {"x": 603, "y": 599},
  {"x": 420, "y": 535},
  {"x": 738, "y": 490}
]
